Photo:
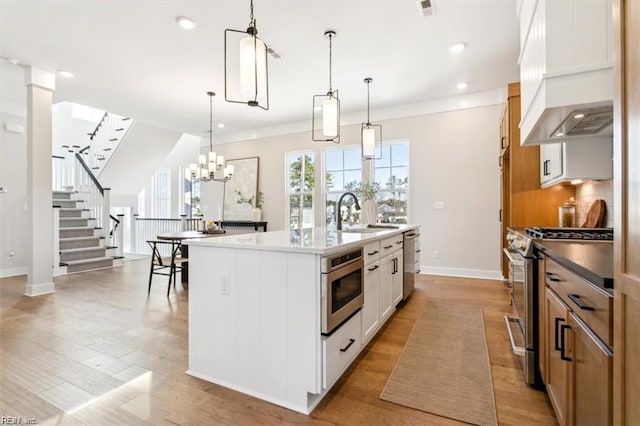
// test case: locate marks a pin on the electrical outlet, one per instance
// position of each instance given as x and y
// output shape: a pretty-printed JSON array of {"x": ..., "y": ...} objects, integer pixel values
[
  {"x": 436, "y": 254},
  {"x": 438, "y": 205},
  {"x": 224, "y": 286}
]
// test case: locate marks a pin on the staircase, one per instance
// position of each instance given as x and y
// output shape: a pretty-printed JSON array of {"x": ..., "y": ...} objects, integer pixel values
[{"x": 81, "y": 243}]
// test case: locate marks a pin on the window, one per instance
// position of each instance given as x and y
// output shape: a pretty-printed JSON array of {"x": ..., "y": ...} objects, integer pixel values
[
  {"x": 190, "y": 194},
  {"x": 301, "y": 175},
  {"x": 391, "y": 178},
  {"x": 162, "y": 193},
  {"x": 141, "y": 202},
  {"x": 343, "y": 172}
]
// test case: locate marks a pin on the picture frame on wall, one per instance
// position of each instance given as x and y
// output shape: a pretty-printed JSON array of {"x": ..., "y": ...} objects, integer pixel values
[{"x": 244, "y": 181}]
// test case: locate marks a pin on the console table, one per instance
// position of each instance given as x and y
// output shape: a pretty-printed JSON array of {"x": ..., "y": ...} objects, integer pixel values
[{"x": 244, "y": 224}]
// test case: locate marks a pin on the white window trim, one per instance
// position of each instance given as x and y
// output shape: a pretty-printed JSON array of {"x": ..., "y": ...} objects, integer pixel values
[{"x": 288, "y": 194}]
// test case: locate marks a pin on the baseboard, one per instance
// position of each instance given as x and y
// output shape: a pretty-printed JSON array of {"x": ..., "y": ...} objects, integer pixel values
[
  {"x": 462, "y": 272},
  {"x": 39, "y": 289},
  {"x": 12, "y": 272}
]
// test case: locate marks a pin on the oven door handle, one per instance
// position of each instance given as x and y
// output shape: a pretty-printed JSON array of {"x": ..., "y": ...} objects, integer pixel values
[
  {"x": 517, "y": 350},
  {"x": 511, "y": 255}
]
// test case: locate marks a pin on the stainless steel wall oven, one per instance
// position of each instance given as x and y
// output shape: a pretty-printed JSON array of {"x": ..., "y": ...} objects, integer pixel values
[{"x": 342, "y": 288}]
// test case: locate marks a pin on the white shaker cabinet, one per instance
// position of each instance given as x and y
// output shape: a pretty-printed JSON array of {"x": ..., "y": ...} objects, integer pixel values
[
  {"x": 397, "y": 277},
  {"x": 371, "y": 316},
  {"x": 386, "y": 284},
  {"x": 587, "y": 159}
]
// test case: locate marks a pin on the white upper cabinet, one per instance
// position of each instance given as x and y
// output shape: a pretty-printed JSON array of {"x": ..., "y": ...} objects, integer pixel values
[
  {"x": 588, "y": 159},
  {"x": 566, "y": 69}
]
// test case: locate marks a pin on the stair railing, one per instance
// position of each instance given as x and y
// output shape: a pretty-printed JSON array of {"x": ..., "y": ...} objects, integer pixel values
[
  {"x": 96, "y": 198},
  {"x": 104, "y": 140}
]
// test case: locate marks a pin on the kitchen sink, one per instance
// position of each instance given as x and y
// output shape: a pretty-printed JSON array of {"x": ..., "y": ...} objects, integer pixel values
[
  {"x": 383, "y": 226},
  {"x": 360, "y": 230}
]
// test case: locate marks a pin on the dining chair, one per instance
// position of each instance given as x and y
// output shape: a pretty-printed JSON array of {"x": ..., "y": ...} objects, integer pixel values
[{"x": 166, "y": 255}]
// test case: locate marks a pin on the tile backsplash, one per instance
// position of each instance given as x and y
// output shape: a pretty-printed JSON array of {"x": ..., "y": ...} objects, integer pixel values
[{"x": 587, "y": 193}]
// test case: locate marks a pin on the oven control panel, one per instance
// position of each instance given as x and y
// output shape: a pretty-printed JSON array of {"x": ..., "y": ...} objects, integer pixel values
[{"x": 519, "y": 242}]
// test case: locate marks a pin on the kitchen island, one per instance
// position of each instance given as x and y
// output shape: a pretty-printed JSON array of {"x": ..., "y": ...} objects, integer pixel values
[{"x": 255, "y": 316}]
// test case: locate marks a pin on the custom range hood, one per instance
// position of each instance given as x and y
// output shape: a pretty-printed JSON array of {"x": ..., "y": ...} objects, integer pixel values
[{"x": 566, "y": 70}]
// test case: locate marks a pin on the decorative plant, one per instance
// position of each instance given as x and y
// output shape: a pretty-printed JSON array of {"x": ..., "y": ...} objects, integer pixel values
[
  {"x": 251, "y": 200},
  {"x": 364, "y": 191}
]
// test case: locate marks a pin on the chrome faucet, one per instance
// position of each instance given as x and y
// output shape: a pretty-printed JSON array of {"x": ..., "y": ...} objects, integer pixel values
[{"x": 338, "y": 213}]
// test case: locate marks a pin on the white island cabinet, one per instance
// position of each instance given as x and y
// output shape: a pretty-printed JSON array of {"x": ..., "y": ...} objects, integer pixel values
[{"x": 255, "y": 317}]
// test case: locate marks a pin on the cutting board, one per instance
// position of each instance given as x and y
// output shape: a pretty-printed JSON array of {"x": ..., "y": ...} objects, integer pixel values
[{"x": 595, "y": 217}]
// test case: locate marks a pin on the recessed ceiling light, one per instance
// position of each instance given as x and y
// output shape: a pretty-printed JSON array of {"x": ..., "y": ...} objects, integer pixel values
[
  {"x": 220, "y": 125},
  {"x": 559, "y": 134},
  {"x": 462, "y": 85},
  {"x": 65, "y": 74},
  {"x": 458, "y": 47},
  {"x": 186, "y": 23},
  {"x": 578, "y": 116}
]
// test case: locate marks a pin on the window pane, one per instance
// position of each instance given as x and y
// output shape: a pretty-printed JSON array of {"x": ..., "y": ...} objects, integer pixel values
[
  {"x": 392, "y": 207},
  {"x": 333, "y": 159},
  {"x": 352, "y": 179},
  {"x": 295, "y": 172},
  {"x": 400, "y": 154},
  {"x": 349, "y": 214},
  {"x": 335, "y": 181},
  {"x": 381, "y": 176},
  {"x": 352, "y": 159},
  {"x": 400, "y": 178},
  {"x": 385, "y": 161}
]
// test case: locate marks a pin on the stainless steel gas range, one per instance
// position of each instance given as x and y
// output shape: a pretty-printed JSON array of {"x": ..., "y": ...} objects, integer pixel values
[{"x": 522, "y": 325}]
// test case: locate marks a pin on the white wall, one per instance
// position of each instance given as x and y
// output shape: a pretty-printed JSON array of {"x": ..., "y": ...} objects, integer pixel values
[
  {"x": 13, "y": 220},
  {"x": 453, "y": 159}
]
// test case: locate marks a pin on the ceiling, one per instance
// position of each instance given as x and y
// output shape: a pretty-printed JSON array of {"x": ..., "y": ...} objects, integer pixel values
[{"x": 131, "y": 57}]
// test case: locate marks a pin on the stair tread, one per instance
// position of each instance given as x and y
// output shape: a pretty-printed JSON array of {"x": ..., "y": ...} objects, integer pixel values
[
  {"x": 72, "y": 239},
  {"x": 81, "y": 249},
  {"x": 77, "y": 228},
  {"x": 83, "y": 261},
  {"x": 65, "y": 199},
  {"x": 71, "y": 209}
]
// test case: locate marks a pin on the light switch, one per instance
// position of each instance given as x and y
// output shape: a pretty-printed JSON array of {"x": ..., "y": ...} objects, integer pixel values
[{"x": 438, "y": 205}]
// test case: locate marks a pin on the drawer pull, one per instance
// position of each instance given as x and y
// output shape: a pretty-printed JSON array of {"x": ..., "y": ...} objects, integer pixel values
[
  {"x": 372, "y": 253},
  {"x": 563, "y": 356},
  {"x": 388, "y": 247},
  {"x": 576, "y": 299},
  {"x": 346, "y": 348},
  {"x": 551, "y": 277},
  {"x": 374, "y": 268},
  {"x": 556, "y": 335},
  {"x": 399, "y": 242},
  {"x": 418, "y": 251}
]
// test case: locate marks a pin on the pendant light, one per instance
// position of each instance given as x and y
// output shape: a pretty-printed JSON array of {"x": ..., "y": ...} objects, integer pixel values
[
  {"x": 329, "y": 105},
  {"x": 253, "y": 66},
  {"x": 208, "y": 165},
  {"x": 370, "y": 134}
]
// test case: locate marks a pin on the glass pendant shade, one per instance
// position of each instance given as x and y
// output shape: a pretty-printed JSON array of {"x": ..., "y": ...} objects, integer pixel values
[
  {"x": 368, "y": 142},
  {"x": 212, "y": 157},
  {"x": 202, "y": 159},
  {"x": 330, "y": 117},
  {"x": 253, "y": 67}
]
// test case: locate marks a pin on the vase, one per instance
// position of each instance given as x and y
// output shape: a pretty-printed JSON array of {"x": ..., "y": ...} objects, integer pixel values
[
  {"x": 369, "y": 214},
  {"x": 256, "y": 215}
]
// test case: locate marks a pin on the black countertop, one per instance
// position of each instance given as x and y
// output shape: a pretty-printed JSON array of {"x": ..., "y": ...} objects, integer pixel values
[{"x": 592, "y": 261}]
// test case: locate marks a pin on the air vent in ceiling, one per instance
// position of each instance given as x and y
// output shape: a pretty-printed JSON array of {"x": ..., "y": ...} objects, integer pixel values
[
  {"x": 585, "y": 122},
  {"x": 426, "y": 7}
]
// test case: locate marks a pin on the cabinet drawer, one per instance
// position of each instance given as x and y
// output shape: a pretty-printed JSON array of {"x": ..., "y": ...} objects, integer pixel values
[
  {"x": 391, "y": 244},
  {"x": 590, "y": 304},
  {"x": 339, "y": 349},
  {"x": 371, "y": 252}
]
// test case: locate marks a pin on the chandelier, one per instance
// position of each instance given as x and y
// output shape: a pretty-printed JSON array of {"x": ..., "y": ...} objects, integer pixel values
[{"x": 215, "y": 168}]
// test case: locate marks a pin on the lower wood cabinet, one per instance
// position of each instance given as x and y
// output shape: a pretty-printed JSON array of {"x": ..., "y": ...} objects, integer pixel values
[
  {"x": 557, "y": 315},
  {"x": 591, "y": 380}
]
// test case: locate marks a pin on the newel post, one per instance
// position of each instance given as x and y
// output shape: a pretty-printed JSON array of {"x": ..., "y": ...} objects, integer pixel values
[
  {"x": 183, "y": 222},
  {"x": 134, "y": 227},
  {"x": 120, "y": 235},
  {"x": 106, "y": 216}
]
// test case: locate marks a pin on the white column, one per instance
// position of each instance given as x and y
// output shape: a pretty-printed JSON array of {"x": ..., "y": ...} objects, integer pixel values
[
  {"x": 40, "y": 86},
  {"x": 120, "y": 236}
]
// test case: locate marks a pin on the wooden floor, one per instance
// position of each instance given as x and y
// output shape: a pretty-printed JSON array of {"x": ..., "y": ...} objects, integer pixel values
[{"x": 100, "y": 352}]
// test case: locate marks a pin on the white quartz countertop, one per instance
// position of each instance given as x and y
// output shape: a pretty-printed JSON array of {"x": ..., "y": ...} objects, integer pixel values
[{"x": 318, "y": 240}]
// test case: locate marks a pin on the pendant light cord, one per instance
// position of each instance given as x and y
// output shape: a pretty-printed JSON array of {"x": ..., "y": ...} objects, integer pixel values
[
  {"x": 368, "y": 120},
  {"x": 211, "y": 121},
  {"x": 251, "y": 20},
  {"x": 330, "y": 63}
]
